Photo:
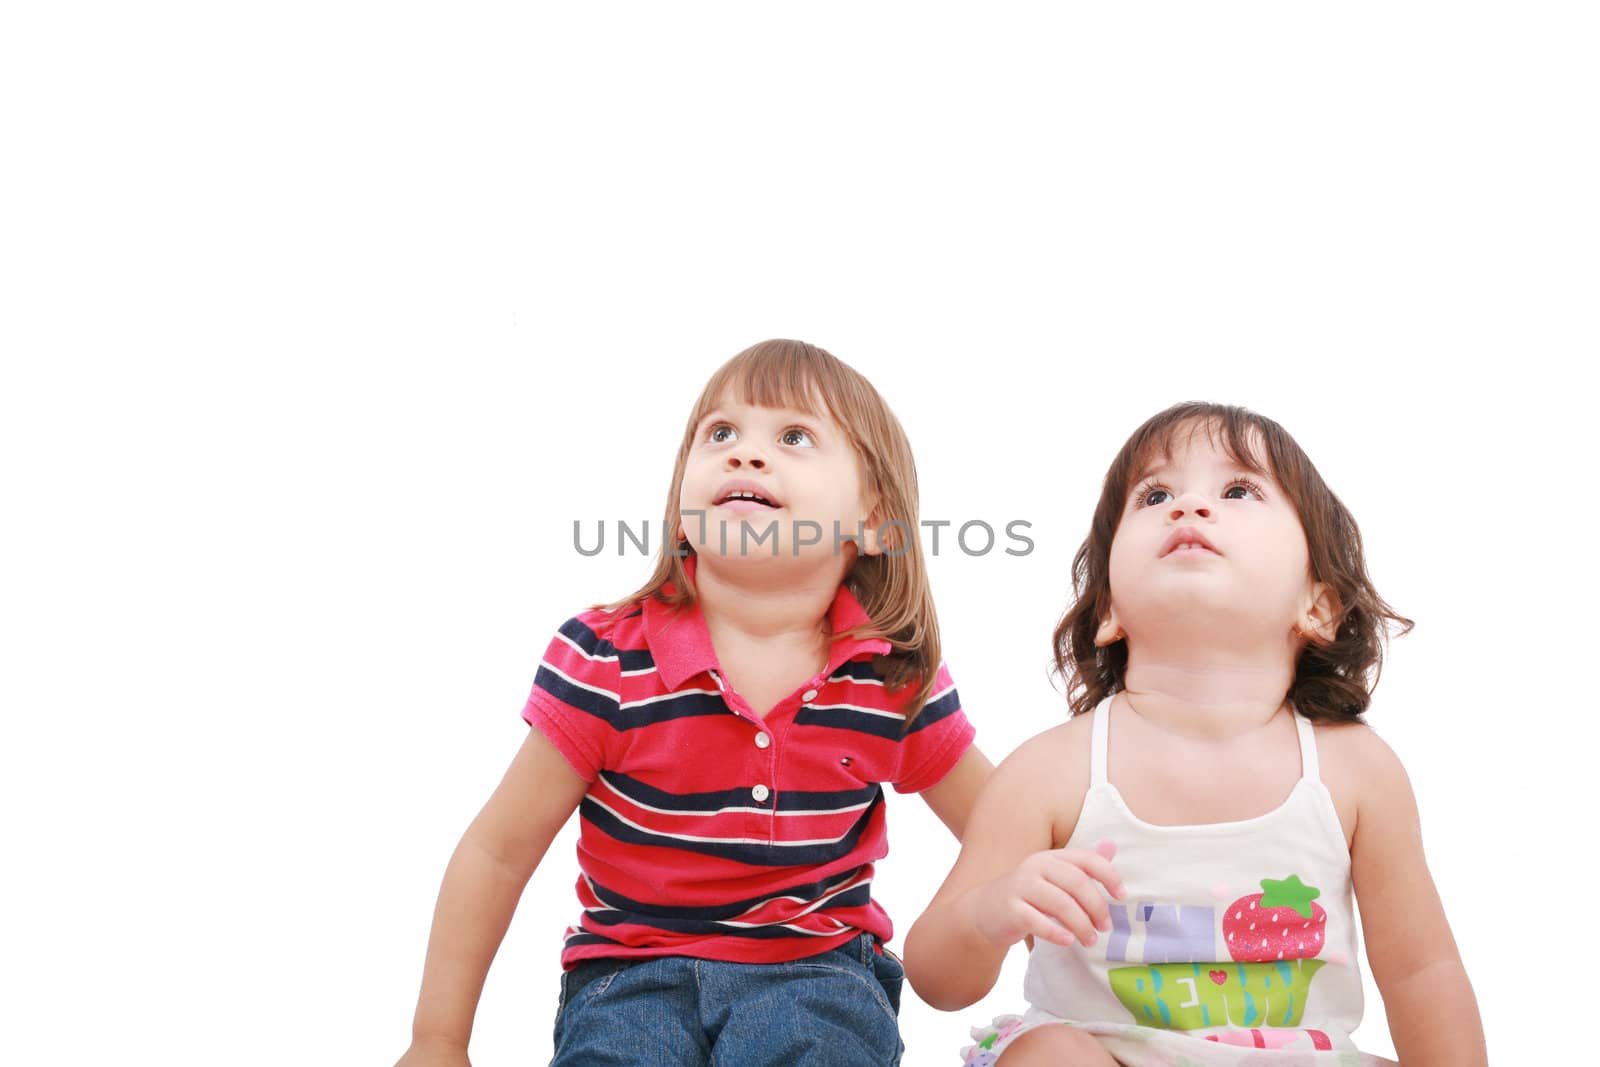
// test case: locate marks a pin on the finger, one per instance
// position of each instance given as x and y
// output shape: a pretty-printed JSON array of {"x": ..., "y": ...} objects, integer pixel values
[
  {"x": 1091, "y": 865},
  {"x": 1097, "y": 867},
  {"x": 1019, "y": 920},
  {"x": 1040, "y": 925},
  {"x": 1062, "y": 906},
  {"x": 1078, "y": 883},
  {"x": 1107, "y": 848}
]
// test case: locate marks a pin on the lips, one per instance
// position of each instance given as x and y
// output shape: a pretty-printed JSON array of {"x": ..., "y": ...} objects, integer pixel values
[
  {"x": 741, "y": 491},
  {"x": 1188, "y": 539}
]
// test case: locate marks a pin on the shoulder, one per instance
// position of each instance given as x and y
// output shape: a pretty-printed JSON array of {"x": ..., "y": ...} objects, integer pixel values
[
  {"x": 873, "y": 682},
  {"x": 599, "y": 632},
  {"x": 1360, "y": 770},
  {"x": 1355, "y": 748},
  {"x": 1049, "y": 772},
  {"x": 943, "y": 698},
  {"x": 1058, "y": 748},
  {"x": 626, "y": 622},
  {"x": 595, "y": 646}
]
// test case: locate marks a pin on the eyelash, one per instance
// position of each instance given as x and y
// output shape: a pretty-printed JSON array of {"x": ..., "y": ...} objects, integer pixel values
[
  {"x": 1151, "y": 485},
  {"x": 717, "y": 426}
]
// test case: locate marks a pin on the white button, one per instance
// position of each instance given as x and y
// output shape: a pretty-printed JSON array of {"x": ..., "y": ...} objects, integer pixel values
[
  {"x": 760, "y": 793},
  {"x": 762, "y": 740},
  {"x": 809, "y": 694}
]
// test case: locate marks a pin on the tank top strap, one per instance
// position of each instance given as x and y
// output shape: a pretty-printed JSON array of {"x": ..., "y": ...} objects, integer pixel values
[
  {"x": 1101, "y": 730},
  {"x": 1308, "y": 748}
]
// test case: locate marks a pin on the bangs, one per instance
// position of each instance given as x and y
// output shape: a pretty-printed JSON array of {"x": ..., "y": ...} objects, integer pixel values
[
  {"x": 775, "y": 374},
  {"x": 1231, "y": 431}
]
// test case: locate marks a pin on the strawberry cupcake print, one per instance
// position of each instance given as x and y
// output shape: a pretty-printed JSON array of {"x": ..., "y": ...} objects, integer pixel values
[
  {"x": 1279, "y": 923},
  {"x": 1272, "y": 938}
]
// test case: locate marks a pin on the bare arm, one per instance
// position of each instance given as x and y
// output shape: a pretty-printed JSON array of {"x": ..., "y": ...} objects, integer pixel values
[
  {"x": 957, "y": 791},
  {"x": 1432, "y": 1012},
  {"x": 483, "y": 883},
  {"x": 1009, "y": 881}
]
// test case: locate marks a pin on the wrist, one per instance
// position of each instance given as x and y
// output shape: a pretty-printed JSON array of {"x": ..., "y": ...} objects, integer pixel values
[
  {"x": 444, "y": 1041},
  {"x": 975, "y": 912}
]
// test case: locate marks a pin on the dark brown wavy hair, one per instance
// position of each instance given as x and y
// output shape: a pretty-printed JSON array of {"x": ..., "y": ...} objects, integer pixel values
[
  {"x": 1333, "y": 681},
  {"x": 892, "y": 587}
]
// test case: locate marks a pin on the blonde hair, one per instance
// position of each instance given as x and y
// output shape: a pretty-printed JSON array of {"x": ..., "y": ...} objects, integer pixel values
[{"x": 892, "y": 587}]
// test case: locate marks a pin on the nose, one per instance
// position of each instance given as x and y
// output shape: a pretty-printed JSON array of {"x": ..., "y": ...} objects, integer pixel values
[
  {"x": 1189, "y": 504},
  {"x": 753, "y": 459}
]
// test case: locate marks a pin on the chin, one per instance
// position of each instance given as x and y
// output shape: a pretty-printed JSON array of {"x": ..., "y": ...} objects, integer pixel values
[{"x": 1209, "y": 605}]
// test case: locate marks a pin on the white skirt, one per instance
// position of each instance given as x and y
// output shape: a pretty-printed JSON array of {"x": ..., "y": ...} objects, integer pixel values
[{"x": 1147, "y": 1046}]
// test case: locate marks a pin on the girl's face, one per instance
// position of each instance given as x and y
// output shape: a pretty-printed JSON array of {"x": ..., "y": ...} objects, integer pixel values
[
  {"x": 1203, "y": 539},
  {"x": 752, "y": 470}
]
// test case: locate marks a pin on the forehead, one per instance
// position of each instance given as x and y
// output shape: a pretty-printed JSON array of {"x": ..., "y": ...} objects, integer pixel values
[
  {"x": 732, "y": 403},
  {"x": 1203, "y": 441}
]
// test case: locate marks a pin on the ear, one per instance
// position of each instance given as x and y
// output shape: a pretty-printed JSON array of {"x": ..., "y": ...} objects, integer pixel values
[
  {"x": 1319, "y": 618},
  {"x": 868, "y": 544},
  {"x": 1110, "y": 630}
]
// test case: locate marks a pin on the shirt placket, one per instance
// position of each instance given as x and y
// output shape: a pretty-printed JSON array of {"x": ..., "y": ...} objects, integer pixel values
[{"x": 763, "y": 766}]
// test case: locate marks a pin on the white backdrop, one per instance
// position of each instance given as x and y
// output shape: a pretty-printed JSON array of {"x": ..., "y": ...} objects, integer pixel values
[{"x": 323, "y": 322}]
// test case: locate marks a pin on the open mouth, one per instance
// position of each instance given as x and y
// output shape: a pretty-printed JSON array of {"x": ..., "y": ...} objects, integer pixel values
[
  {"x": 1188, "y": 541},
  {"x": 748, "y": 497}
]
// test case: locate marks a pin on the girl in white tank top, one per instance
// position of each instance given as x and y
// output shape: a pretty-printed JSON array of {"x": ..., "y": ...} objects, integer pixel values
[
  {"x": 1218, "y": 928},
  {"x": 1240, "y": 933}
]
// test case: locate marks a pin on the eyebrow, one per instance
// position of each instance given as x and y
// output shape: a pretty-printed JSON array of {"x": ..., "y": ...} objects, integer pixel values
[{"x": 1236, "y": 468}]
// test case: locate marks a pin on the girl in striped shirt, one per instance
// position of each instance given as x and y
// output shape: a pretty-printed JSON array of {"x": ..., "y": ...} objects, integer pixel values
[{"x": 724, "y": 734}]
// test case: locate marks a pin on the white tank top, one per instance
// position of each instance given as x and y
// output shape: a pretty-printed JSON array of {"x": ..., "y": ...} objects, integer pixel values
[{"x": 1237, "y": 932}]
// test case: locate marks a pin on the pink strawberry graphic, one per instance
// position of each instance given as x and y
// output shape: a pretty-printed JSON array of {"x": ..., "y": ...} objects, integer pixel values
[{"x": 1279, "y": 923}]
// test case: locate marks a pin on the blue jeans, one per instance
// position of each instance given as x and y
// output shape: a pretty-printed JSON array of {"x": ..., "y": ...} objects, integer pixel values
[{"x": 837, "y": 1009}]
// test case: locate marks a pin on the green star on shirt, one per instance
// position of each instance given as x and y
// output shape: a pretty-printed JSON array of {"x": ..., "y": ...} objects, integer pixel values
[{"x": 1289, "y": 893}]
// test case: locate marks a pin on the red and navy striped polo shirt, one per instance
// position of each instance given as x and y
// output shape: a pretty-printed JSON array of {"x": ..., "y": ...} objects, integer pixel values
[{"x": 707, "y": 831}]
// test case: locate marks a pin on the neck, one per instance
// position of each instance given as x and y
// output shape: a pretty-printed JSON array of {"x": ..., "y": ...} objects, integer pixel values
[
  {"x": 1208, "y": 693},
  {"x": 743, "y": 603}
]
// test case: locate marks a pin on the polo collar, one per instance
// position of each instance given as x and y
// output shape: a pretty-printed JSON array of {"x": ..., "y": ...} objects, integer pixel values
[{"x": 680, "y": 643}]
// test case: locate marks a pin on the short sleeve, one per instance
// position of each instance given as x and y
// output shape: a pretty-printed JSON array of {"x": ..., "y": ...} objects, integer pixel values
[
  {"x": 576, "y": 695},
  {"x": 938, "y": 738}
]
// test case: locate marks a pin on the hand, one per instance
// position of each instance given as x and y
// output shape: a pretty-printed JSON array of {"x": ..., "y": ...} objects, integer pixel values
[
  {"x": 1054, "y": 895},
  {"x": 434, "y": 1053}
]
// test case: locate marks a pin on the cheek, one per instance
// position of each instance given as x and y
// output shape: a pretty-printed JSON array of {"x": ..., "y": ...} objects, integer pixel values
[
  {"x": 695, "y": 489},
  {"x": 842, "y": 495},
  {"x": 1285, "y": 559},
  {"x": 1119, "y": 565},
  {"x": 1294, "y": 551}
]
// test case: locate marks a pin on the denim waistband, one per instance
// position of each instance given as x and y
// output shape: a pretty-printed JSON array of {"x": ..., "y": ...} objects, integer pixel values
[{"x": 861, "y": 947}]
